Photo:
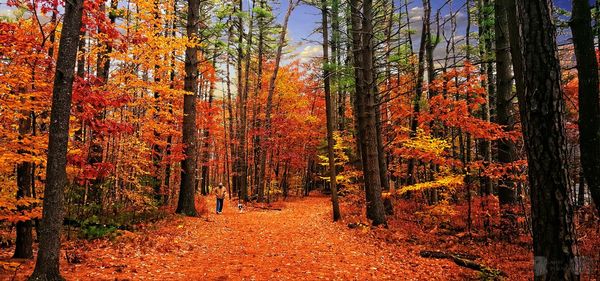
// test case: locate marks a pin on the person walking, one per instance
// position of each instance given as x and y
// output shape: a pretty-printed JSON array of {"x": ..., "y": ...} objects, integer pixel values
[{"x": 220, "y": 193}]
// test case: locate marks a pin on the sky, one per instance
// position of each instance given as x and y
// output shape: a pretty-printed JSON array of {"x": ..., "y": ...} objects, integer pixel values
[
  {"x": 305, "y": 19},
  {"x": 305, "y": 42}
]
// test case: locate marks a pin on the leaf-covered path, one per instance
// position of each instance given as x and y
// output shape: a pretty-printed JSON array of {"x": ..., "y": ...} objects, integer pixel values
[{"x": 297, "y": 243}]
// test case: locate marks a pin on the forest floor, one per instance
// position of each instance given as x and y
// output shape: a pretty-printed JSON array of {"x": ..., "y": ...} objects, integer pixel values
[{"x": 297, "y": 242}]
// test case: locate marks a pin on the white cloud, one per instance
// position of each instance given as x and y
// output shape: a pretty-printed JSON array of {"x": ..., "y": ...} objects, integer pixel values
[
  {"x": 415, "y": 11},
  {"x": 311, "y": 51},
  {"x": 415, "y": 14}
]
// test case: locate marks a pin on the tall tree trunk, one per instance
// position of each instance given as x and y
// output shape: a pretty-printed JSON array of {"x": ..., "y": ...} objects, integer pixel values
[
  {"x": 542, "y": 109},
  {"x": 373, "y": 142},
  {"x": 336, "y": 57},
  {"x": 206, "y": 142},
  {"x": 329, "y": 115},
  {"x": 225, "y": 175},
  {"x": 237, "y": 174},
  {"x": 414, "y": 123},
  {"x": 429, "y": 49},
  {"x": 242, "y": 166},
  {"x": 186, "y": 204},
  {"x": 47, "y": 264},
  {"x": 271, "y": 90},
  {"x": 384, "y": 157},
  {"x": 507, "y": 151},
  {"x": 257, "y": 124},
  {"x": 485, "y": 40},
  {"x": 24, "y": 239},
  {"x": 466, "y": 148},
  {"x": 362, "y": 33},
  {"x": 589, "y": 96},
  {"x": 381, "y": 158},
  {"x": 230, "y": 117}
]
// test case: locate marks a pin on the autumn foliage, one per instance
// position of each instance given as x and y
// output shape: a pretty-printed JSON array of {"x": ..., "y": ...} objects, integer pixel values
[{"x": 442, "y": 178}]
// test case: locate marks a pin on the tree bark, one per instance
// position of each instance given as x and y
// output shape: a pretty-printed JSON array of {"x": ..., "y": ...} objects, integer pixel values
[
  {"x": 507, "y": 151},
  {"x": 47, "y": 263},
  {"x": 24, "y": 239},
  {"x": 231, "y": 153},
  {"x": 414, "y": 123},
  {"x": 363, "y": 48},
  {"x": 242, "y": 167},
  {"x": 336, "y": 52},
  {"x": 384, "y": 111},
  {"x": 429, "y": 49},
  {"x": 589, "y": 96},
  {"x": 258, "y": 146},
  {"x": 236, "y": 178},
  {"x": 485, "y": 40},
  {"x": 186, "y": 203},
  {"x": 541, "y": 106},
  {"x": 329, "y": 115},
  {"x": 205, "y": 172}
]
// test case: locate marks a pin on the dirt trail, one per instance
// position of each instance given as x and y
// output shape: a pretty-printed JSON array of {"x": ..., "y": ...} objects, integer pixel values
[{"x": 296, "y": 243}]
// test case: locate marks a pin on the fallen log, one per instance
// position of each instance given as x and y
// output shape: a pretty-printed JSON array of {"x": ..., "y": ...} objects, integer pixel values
[
  {"x": 445, "y": 255},
  {"x": 464, "y": 260}
]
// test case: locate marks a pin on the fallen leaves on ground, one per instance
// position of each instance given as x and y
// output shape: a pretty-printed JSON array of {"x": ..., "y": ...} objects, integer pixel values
[{"x": 298, "y": 242}]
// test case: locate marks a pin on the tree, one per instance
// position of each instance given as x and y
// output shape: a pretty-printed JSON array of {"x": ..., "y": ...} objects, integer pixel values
[
  {"x": 271, "y": 90},
  {"x": 24, "y": 240},
  {"x": 240, "y": 168},
  {"x": 504, "y": 107},
  {"x": 487, "y": 68},
  {"x": 47, "y": 263},
  {"x": 187, "y": 191},
  {"x": 336, "y": 54},
  {"x": 329, "y": 115},
  {"x": 541, "y": 106},
  {"x": 242, "y": 159},
  {"x": 414, "y": 123},
  {"x": 263, "y": 16},
  {"x": 589, "y": 96},
  {"x": 365, "y": 106},
  {"x": 33, "y": 70}
]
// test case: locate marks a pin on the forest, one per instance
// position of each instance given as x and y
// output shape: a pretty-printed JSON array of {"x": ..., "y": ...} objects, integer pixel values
[{"x": 341, "y": 139}]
